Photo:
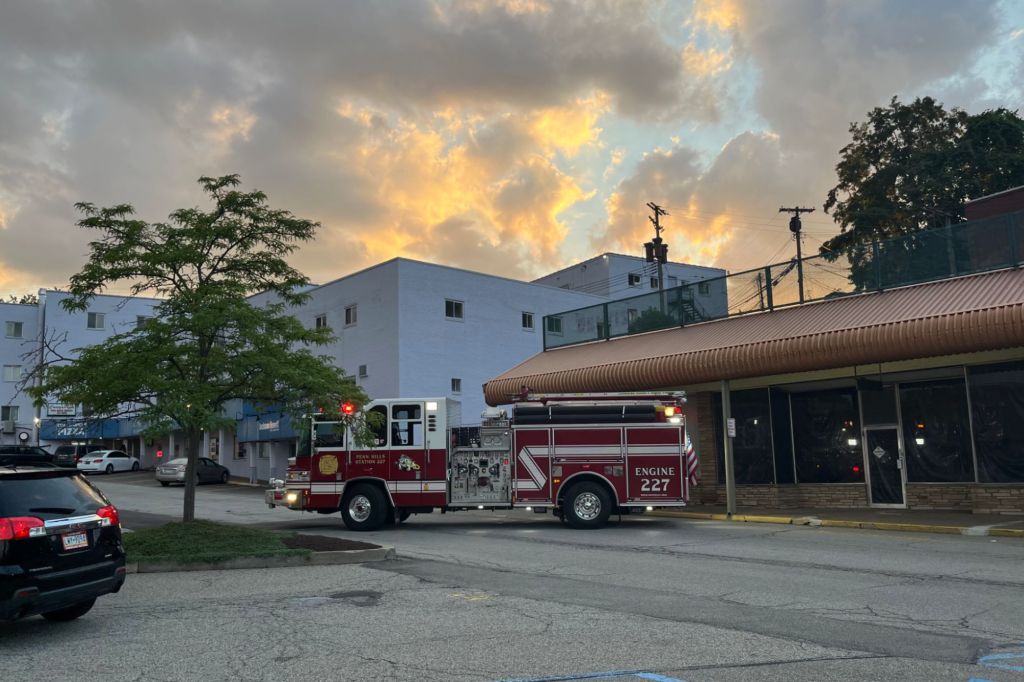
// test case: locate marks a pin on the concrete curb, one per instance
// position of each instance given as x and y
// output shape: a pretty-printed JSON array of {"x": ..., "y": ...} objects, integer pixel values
[
  {"x": 842, "y": 523},
  {"x": 354, "y": 556}
]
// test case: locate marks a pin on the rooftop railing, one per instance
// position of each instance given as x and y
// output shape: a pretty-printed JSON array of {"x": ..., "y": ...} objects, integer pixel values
[{"x": 924, "y": 256}]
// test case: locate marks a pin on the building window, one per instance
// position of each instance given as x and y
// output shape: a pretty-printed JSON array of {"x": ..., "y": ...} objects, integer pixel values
[
  {"x": 320, "y": 322},
  {"x": 936, "y": 431},
  {"x": 452, "y": 309},
  {"x": 997, "y": 396},
  {"x": 528, "y": 321},
  {"x": 826, "y": 437},
  {"x": 703, "y": 288},
  {"x": 9, "y": 413},
  {"x": 553, "y": 324},
  {"x": 12, "y": 372},
  {"x": 140, "y": 320},
  {"x": 654, "y": 282},
  {"x": 95, "y": 321},
  {"x": 362, "y": 372},
  {"x": 456, "y": 385},
  {"x": 634, "y": 279},
  {"x": 13, "y": 330},
  {"x": 350, "y": 315}
]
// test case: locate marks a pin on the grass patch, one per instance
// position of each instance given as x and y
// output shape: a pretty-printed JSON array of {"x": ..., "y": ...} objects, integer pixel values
[{"x": 205, "y": 541}]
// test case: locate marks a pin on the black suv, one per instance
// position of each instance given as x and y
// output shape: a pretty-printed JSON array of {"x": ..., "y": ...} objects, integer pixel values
[
  {"x": 24, "y": 454},
  {"x": 60, "y": 543}
]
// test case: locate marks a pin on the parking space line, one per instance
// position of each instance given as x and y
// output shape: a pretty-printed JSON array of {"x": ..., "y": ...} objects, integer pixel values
[{"x": 608, "y": 675}]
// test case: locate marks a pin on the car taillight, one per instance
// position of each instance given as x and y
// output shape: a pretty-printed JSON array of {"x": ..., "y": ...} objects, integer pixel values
[
  {"x": 110, "y": 515},
  {"x": 21, "y": 527}
]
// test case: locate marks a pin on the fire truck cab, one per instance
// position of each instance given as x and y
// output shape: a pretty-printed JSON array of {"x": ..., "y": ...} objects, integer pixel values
[{"x": 582, "y": 457}]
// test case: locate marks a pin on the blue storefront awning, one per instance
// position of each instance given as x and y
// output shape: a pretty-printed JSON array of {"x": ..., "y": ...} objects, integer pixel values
[
  {"x": 264, "y": 425},
  {"x": 81, "y": 429}
]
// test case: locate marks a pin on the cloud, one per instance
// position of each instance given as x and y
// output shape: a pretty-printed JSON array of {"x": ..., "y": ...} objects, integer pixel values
[
  {"x": 724, "y": 214},
  {"x": 462, "y": 131},
  {"x": 391, "y": 123}
]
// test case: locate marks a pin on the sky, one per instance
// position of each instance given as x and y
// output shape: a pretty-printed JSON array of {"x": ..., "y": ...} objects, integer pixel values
[{"x": 511, "y": 137}]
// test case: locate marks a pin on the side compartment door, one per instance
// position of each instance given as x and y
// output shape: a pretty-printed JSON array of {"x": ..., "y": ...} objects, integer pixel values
[
  {"x": 654, "y": 463},
  {"x": 532, "y": 450}
]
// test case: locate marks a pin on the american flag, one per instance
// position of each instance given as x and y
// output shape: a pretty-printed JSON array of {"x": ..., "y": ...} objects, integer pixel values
[{"x": 692, "y": 463}]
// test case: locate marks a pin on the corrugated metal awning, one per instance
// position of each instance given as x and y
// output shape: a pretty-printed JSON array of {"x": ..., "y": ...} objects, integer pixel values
[{"x": 966, "y": 314}]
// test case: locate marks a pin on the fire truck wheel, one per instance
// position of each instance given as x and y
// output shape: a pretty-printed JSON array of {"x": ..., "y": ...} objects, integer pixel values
[
  {"x": 587, "y": 505},
  {"x": 364, "y": 508}
]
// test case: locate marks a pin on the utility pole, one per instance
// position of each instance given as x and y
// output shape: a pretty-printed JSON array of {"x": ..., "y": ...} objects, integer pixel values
[
  {"x": 657, "y": 251},
  {"x": 795, "y": 227}
]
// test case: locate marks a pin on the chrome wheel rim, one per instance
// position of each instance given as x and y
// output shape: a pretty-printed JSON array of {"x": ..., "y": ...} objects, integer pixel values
[
  {"x": 359, "y": 508},
  {"x": 587, "y": 506}
]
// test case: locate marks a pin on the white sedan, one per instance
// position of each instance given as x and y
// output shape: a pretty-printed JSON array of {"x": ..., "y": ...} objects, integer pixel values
[{"x": 108, "y": 461}]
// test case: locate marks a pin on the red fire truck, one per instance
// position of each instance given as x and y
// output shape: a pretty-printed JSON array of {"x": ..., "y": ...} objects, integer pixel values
[{"x": 581, "y": 457}]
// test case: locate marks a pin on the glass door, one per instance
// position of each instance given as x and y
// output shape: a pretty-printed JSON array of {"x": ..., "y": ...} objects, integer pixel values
[{"x": 885, "y": 466}]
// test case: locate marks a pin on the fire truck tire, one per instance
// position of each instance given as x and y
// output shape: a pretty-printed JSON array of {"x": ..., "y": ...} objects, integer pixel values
[
  {"x": 364, "y": 508},
  {"x": 587, "y": 505}
]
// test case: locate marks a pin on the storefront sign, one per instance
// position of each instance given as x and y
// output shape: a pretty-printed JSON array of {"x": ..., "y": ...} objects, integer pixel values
[{"x": 60, "y": 410}]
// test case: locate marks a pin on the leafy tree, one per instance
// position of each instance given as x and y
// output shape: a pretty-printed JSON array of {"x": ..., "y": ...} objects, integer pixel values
[
  {"x": 651, "y": 319},
  {"x": 24, "y": 299},
  {"x": 206, "y": 343},
  {"x": 913, "y": 166}
]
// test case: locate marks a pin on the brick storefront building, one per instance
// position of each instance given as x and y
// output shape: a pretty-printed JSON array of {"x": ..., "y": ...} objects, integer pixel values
[{"x": 908, "y": 396}]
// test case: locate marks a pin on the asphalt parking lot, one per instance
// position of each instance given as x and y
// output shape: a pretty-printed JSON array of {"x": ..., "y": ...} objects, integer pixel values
[{"x": 513, "y": 596}]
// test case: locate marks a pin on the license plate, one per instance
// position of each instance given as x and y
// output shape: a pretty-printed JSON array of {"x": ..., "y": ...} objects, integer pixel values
[{"x": 74, "y": 541}]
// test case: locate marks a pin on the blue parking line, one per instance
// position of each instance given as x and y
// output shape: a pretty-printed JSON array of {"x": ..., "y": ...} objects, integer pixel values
[
  {"x": 990, "y": 661},
  {"x": 611, "y": 674}
]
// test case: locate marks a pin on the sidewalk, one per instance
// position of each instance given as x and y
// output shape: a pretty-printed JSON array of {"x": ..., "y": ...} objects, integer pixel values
[{"x": 907, "y": 520}]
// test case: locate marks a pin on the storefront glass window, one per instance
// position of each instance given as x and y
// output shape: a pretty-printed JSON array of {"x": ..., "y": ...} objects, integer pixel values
[
  {"x": 936, "y": 431},
  {"x": 826, "y": 434},
  {"x": 752, "y": 446},
  {"x": 781, "y": 436},
  {"x": 997, "y": 402}
]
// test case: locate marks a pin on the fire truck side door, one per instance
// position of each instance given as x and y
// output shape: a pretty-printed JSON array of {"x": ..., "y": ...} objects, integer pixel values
[
  {"x": 372, "y": 459},
  {"x": 408, "y": 450}
]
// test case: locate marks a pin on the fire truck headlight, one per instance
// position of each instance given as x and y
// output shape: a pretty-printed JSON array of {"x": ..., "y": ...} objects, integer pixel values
[
  {"x": 675, "y": 420},
  {"x": 649, "y": 508},
  {"x": 291, "y": 498}
]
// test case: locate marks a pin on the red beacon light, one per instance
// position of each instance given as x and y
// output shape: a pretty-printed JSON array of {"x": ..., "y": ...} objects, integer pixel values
[{"x": 348, "y": 409}]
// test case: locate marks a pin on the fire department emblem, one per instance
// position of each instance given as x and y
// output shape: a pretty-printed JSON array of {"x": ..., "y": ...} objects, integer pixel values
[
  {"x": 328, "y": 465},
  {"x": 405, "y": 463}
]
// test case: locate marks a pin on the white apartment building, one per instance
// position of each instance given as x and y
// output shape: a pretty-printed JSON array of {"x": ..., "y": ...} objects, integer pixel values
[
  {"x": 405, "y": 328},
  {"x": 17, "y": 346},
  {"x": 615, "y": 275}
]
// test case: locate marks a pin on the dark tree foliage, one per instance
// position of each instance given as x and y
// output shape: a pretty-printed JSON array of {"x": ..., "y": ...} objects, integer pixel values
[
  {"x": 652, "y": 319},
  {"x": 912, "y": 166},
  {"x": 206, "y": 343}
]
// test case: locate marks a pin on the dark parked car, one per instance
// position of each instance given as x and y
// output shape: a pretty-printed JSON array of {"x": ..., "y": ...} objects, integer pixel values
[
  {"x": 60, "y": 543},
  {"x": 24, "y": 454},
  {"x": 68, "y": 455},
  {"x": 207, "y": 471}
]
